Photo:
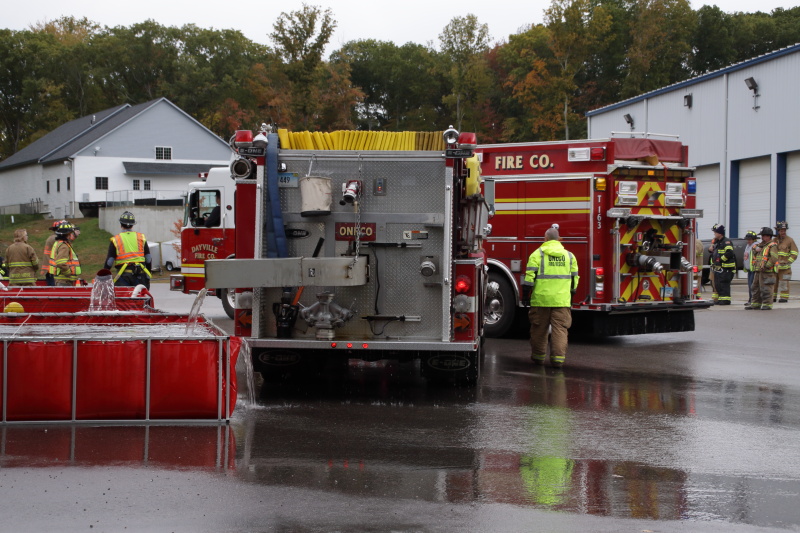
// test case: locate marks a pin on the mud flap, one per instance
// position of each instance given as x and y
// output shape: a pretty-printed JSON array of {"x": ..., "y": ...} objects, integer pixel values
[{"x": 460, "y": 368}]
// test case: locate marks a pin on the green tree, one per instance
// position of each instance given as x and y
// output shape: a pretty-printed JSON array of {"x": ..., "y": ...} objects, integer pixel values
[
  {"x": 30, "y": 99},
  {"x": 660, "y": 49},
  {"x": 300, "y": 38},
  {"x": 402, "y": 85},
  {"x": 464, "y": 44},
  {"x": 76, "y": 62},
  {"x": 577, "y": 29}
]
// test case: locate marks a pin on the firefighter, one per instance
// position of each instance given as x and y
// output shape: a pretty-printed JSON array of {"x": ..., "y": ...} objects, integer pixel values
[
  {"x": 213, "y": 218},
  {"x": 551, "y": 278},
  {"x": 21, "y": 260},
  {"x": 48, "y": 247},
  {"x": 723, "y": 266},
  {"x": 787, "y": 254},
  {"x": 747, "y": 262},
  {"x": 130, "y": 253},
  {"x": 765, "y": 264},
  {"x": 64, "y": 264}
]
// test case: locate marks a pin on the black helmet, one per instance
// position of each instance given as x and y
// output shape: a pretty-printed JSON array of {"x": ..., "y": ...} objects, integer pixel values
[
  {"x": 65, "y": 228},
  {"x": 751, "y": 235},
  {"x": 781, "y": 224},
  {"x": 127, "y": 219},
  {"x": 766, "y": 231}
]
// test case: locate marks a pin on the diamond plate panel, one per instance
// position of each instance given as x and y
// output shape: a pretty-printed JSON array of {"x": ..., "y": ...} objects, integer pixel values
[{"x": 414, "y": 191}]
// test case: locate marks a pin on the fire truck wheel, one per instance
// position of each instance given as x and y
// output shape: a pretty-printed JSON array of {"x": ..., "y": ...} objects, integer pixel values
[
  {"x": 500, "y": 307},
  {"x": 228, "y": 297}
]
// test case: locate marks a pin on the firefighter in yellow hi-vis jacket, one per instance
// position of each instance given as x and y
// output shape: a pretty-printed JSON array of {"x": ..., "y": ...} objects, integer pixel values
[
  {"x": 551, "y": 279},
  {"x": 129, "y": 252},
  {"x": 787, "y": 254}
]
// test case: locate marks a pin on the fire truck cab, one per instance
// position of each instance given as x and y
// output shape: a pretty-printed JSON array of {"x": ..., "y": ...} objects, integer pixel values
[
  {"x": 204, "y": 236},
  {"x": 625, "y": 207}
]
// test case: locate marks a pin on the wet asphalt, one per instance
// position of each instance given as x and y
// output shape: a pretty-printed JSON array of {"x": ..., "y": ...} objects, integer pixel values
[{"x": 695, "y": 431}]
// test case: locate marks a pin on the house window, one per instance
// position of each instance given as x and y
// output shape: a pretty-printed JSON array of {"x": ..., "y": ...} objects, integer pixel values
[
  {"x": 58, "y": 185},
  {"x": 147, "y": 185},
  {"x": 135, "y": 185},
  {"x": 163, "y": 152},
  {"x": 48, "y": 186},
  {"x": 101, "y": 184}
]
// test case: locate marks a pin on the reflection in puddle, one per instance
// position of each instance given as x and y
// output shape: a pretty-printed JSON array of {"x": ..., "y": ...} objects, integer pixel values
[
  {"x": 577, "y": 441},
  {"x": 209, "y": 447}
]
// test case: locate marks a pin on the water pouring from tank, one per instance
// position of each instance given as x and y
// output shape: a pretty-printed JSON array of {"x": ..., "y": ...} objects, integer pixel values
[
  {"x": 102, "y": 297},
  {"x": 198, "y": 303}
]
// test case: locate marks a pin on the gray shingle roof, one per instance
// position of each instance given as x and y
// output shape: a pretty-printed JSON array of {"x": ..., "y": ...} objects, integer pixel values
[{"x": 72, "y": 137}]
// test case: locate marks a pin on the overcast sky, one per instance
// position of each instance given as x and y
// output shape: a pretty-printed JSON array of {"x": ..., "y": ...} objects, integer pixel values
[{"x": 418, "y": 21}]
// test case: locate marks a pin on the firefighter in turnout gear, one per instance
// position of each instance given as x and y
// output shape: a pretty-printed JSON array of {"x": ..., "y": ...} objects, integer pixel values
[
  {"x": 551, "y": 279},
  {"x": 48, "y": 247},
  {"x": 21, "y": 260},
  {"x": 723, "y": 265},
  {"x": 765, "y": 264},
  {"x": 787, "y": 254},
  {"x": 130, "y": 253},
  {"x": 64, "y": 265}
]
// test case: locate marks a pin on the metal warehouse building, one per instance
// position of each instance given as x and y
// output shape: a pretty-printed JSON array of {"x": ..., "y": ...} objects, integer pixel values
[{"x": 742, "y": 126}]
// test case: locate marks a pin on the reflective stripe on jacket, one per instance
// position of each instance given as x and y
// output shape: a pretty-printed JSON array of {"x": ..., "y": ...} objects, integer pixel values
[
  {"x": 787, "y": 252},
  {"x": 129, "y": 246},
  {"x": 65, "y": 262},
  {"x": 22, "y": 263},
  {"x": 766, "y": 259},
  {"x": 552, "y": 271},
  {"x": 48, "y": 248},
  {"x": 723, "y": 255}
]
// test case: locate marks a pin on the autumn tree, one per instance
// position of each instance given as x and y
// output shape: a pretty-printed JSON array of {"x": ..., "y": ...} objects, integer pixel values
[{"x": 300, "y": 38}]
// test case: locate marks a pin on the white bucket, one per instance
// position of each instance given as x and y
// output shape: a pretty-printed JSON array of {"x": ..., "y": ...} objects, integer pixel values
[{"x": 315, "y": 193}]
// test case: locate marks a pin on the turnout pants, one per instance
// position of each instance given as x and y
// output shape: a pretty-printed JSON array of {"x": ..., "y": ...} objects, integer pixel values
[
  {"x": 722, "y": 284},
  {"x": 782, "y": 285},
  {"x": 763, "y": 285},
  {"x": 542, "y": 318}
]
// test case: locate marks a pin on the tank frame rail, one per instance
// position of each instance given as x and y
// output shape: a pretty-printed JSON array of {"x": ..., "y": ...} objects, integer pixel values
[
  {"x": 110, "y": 366},
  {"x": 208, "y": 446},
  {"x": 44, "y": 299}
]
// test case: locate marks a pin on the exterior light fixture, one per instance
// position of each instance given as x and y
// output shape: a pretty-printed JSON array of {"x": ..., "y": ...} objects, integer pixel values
[
  {"x": 687, "y": 100},
  {"x": 752, "y": 84}
]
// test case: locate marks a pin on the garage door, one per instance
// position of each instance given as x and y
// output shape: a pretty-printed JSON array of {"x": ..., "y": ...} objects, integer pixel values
[
  {"x": 754, "y": 195},
  {"x": 793, "y": 192},
  {"x": 707, "y": 199}
]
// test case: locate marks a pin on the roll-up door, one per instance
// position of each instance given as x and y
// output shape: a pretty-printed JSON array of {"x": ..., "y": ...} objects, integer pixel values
[
  {"x": 754, "y": 195},
  {"x": 793, "y": 192},
  {"x": 707, "y": 199}
]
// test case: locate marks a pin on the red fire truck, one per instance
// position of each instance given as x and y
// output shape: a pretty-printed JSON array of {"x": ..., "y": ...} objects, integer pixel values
[
  {"x": 361, "y": 251},
  {"x": 624, "y": 206}
]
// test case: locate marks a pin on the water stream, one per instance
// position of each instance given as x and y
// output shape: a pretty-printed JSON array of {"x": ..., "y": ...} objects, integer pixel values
[{"x": 198, "y": 303}]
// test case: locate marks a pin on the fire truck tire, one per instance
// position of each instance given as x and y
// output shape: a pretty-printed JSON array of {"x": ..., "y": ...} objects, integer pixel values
[
  {"x": 228, "y": 301},
  {"x": 500, "y": 309}
]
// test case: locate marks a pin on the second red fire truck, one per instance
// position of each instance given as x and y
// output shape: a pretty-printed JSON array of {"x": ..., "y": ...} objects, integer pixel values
[{"x": 624, "y": 206}]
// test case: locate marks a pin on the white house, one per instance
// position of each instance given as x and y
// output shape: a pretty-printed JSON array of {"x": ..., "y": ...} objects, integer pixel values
[
  {"x": 742, "y": 126},
  {"x": 147, "y": 151}
]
